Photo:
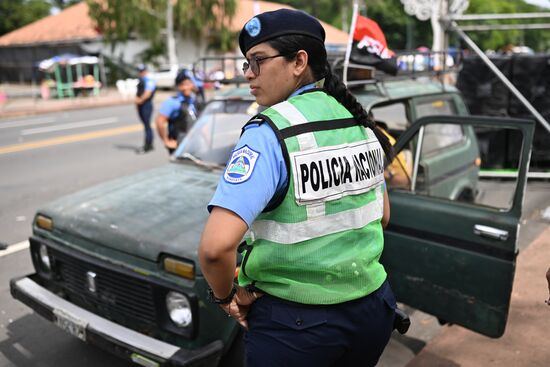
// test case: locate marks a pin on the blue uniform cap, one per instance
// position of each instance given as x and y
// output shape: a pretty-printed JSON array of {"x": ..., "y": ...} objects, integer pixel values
[
  {"x": 182, "y": 75},
  {"x": 141, "y": 67},
  {"x": 273, "y": 24}
]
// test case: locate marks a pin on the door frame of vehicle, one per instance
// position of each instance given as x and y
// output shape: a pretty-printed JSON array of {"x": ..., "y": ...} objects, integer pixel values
[{"x": 451, "y": 259}]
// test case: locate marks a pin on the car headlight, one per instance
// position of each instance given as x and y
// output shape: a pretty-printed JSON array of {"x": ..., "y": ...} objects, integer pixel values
[
  {"x": 45, "y": 257},
  {"x": 179, "y": 309}
]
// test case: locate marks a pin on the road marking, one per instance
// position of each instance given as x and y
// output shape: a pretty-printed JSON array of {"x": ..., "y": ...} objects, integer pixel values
[
  {"x": 15, "y": 248},
  {"x": 70, "y": 139},
  {"x": 21, "y": 123},
  {"x": 74, "y": 125}
]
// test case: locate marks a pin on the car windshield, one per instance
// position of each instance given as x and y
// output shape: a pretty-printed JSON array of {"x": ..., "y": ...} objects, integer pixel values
[
  {"x": 230, "y": 106},
  {"x": 216, "y": 132}
]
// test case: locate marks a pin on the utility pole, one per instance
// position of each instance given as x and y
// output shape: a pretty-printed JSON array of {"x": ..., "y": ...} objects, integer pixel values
[{"x": 170, "y": 41}]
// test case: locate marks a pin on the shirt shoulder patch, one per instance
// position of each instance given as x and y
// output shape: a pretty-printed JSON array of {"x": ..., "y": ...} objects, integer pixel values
[{"x": 241, "y": 165}]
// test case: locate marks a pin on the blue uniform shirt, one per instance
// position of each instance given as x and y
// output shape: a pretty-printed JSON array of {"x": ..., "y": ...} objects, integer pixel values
[
  {"x": 248, "y": 195},
  {"x": 150, "y": 83},
  {"x": 171, "y": 107}
]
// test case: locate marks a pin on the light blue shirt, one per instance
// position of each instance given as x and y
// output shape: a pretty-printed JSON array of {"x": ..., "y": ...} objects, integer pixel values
[
  {"x": 171, "y": 107},
  {"x": 269, "y": 175},
  {"x": 150, "y": 84}
]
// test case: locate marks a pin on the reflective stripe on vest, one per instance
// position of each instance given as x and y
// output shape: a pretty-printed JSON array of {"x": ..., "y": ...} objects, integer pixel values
[{"x": 289, "y": 233}]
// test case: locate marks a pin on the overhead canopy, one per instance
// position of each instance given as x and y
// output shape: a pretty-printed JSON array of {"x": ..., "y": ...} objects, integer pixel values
[{"x": 48, "y": 64}]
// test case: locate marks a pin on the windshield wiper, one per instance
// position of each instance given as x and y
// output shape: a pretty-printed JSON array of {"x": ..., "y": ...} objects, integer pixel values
[{"x": 197, "y": 161}]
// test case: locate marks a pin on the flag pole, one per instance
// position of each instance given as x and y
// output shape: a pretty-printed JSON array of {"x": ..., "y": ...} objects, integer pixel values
[{"x": 350, "y": 41}]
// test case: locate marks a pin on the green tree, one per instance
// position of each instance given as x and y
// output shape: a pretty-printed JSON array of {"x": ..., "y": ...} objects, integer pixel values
[
  {"x": 331, "y": 11},
  {"x": 119, "y": 20},
  {"x": 537, "y": 39},
  {"x": 389, "y": 14},
  {"x": 17, "y": 13},
  {"x": 403, "y": 31}
]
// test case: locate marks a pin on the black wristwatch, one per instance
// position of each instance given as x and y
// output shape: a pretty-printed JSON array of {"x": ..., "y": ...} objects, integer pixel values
[{"x": 221, "y": 301}]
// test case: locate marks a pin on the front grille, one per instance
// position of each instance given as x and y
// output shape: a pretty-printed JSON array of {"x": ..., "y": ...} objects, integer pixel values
[{"x": 118, "y": 296}]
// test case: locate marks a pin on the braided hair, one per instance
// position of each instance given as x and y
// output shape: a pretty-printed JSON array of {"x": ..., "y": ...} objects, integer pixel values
[{"x": 320, "y": 68}]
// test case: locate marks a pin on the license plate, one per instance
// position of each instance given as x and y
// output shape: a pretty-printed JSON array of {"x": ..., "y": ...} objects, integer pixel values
[{"x": 70, "y": 324}]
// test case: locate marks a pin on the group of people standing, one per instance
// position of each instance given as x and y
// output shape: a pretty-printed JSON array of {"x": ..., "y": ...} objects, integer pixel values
[{"x": 176, "y": 114}]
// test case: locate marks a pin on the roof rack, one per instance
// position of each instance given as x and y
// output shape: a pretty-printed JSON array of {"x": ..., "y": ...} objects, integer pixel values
[
  {"x": 410, "y": 65},
  {"x": 220, "y": 69}
]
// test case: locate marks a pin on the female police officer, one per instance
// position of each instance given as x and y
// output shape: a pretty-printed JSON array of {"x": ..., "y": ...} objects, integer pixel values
[{"x": 306, "y": 181}]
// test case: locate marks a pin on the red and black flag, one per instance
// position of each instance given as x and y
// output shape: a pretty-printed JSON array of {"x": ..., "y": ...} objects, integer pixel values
[{"x": 369, "y": 46}]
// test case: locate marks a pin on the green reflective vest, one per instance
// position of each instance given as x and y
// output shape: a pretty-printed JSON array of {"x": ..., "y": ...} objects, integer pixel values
[{"x": 322, "y": 242}]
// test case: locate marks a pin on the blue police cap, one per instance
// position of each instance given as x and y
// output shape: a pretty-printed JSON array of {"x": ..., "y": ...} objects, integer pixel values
[
  {"x": 183, "y": 74},
  {"x": 141, "y": 67},
  {"x": 272, "y": 24}
]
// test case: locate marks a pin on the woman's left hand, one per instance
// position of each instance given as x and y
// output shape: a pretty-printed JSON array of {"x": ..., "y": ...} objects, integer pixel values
[{"x": 240, "y": 305}]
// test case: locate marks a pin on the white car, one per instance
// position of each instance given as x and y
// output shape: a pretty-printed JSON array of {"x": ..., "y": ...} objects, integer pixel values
[{"x": 165, "y": 76}]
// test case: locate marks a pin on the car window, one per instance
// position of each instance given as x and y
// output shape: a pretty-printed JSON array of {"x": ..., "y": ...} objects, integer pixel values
[
  {"x": 459, "y": 163},
  {"x": 441, "y": 136},
  {"x": 214, "y": 136},
  {"x": 229, "y": 106},
  {"x": 394, "y": 116},
  {"x": 439, "y": 106}
]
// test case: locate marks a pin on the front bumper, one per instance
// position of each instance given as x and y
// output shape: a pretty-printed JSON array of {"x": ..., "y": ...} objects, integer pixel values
[{"x": 93, "y": 329}]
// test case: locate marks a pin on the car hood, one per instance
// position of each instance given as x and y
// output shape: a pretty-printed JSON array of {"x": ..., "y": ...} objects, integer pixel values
[{"x": 161, "y": 211}]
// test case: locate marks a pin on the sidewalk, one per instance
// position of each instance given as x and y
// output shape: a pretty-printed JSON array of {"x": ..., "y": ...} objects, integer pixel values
[
  {"x": 28, "y": 105},
  {"x": 525, "y": 341},
  {"x": 24, "y": 104}
]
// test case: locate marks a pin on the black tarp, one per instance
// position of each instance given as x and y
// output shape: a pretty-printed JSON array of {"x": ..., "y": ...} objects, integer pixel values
[{"x": 486, "y": 95}]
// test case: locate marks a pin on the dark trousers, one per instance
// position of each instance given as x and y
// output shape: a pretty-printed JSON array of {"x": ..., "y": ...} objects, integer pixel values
[
  {"x": 145, "y": 111},
  {"x": 287, "y": 334}
]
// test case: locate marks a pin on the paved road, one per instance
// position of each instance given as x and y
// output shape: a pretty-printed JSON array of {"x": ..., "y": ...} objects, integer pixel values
[
  {"x": 45, "y": 157},
  {"x": 42, "y": 158}
]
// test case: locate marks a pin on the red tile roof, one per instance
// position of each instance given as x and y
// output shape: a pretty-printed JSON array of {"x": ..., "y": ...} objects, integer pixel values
[
  {"x": 71, "y": 24},
  {"x": 74, "y": 24}
]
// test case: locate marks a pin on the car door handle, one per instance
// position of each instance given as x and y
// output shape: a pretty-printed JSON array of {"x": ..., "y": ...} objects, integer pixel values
[{"x": 490, "y": 232}]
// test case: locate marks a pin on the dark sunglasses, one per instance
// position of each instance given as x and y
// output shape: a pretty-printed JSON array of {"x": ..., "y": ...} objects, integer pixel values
[{"x": 254, "y": 63}]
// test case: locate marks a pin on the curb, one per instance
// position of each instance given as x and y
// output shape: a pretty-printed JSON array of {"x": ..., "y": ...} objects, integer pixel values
[{"x": 73, "y": 106}]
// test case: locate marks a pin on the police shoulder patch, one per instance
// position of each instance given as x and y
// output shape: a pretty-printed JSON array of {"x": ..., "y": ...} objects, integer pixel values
[{"x": 241, "y": 165}]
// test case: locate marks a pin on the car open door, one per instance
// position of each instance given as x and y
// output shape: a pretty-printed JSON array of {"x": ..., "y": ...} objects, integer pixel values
[{"x": 451, "y": 245}]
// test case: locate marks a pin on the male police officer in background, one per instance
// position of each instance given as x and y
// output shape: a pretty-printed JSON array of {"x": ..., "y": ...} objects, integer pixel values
[
  {"x": 144, "y": 101},
  {"x": 177, "y": 113}
]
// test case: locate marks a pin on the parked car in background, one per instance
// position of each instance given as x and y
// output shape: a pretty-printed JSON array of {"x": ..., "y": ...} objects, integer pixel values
[
  {"x": 116, "y": 265},
  {"x": 165, "y": 76}
]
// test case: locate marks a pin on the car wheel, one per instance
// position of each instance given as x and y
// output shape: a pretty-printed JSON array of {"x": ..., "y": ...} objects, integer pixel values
[{"x": 235, "y": 355}]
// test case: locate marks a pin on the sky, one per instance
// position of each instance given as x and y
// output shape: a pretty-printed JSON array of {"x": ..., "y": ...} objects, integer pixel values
[{"x": 545, "y": 3}]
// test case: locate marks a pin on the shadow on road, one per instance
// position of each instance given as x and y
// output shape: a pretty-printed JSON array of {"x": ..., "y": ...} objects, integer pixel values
[
  {"x": 32, "y": 341},
  {"x": 133, "y": 148}
]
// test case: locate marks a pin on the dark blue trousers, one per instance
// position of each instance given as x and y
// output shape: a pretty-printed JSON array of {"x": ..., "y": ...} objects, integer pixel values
[
  {"x": 288, "y": 334},
  {"x": 145, "y": 111}
]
